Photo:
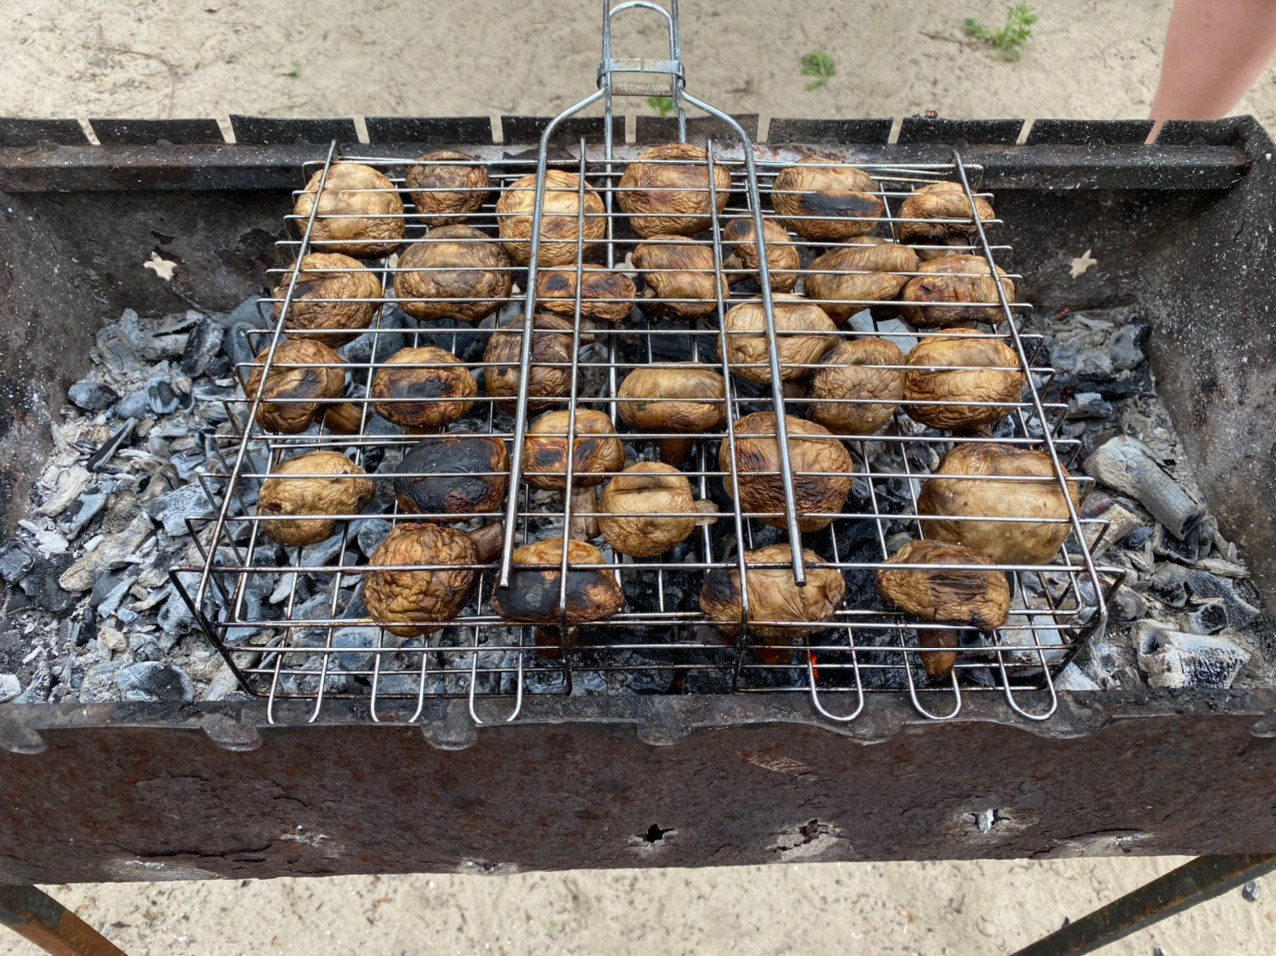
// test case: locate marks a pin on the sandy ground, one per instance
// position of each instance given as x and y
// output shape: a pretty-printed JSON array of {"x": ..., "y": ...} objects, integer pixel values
[{"x": 329, "y": 57}]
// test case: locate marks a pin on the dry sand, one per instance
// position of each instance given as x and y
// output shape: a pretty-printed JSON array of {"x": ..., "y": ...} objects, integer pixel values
[{"x": 331, "y": 57}]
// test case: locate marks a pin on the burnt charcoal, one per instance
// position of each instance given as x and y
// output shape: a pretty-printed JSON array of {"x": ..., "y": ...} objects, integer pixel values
[
  {"x": 123, "y": 344},
  {"x": 1169, "y": 584},
  {"x": 110, "y": 604},
  {"x": 188, "y": 462},
  {"x": 1176, "y": 659},
  {"x": 1127, "y": 605},
  {"x": 370, "y": 532},
  {"x": 359, "y": 351},
  {"x": 160, "y": 397},
  {"x": 1125, "y": 348},
  {"x": 154, "y": 681},
  {"x": 1188, "y": 551},
  {"x": 40, "y": 584},
  {"x": 1239, "y": 613},
  {"x": 103, "y": 587},
  {"x": 41, "y": 686},
  {"x": 175, "y": 617},
  {"x": 10, "y": 687},
  {"x": 143, "y": 648},
  {"x": 171, "y": 510},
  {"x": 88, "y": 507},
  {"x": 91, "y": 396},
  {"x": 1208, "y": 618},
  {"x": 15, "y": 561},
  {"x": 1136, "y": 539},
  {"x": 238, "y": 347},
  {"x": 108, "y": 448},
  {"x": 202, "y": 346},
  {"x": 1089, "y": 405}
]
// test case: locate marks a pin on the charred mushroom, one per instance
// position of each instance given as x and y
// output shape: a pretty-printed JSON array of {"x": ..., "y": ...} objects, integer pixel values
[
  {"x": 962, "y": 366},
  {"x": 852, "y": 394},
  {"x": 302, "y": 375},
  {"x": 821, "y": 470},
  {"x": 360, "y": 213},
  {"x": 550, "y": 363},
  {"x": 922, "y": 214},
  {"x": 824, "y": 200},
  {"x": 979, "y": 481},
  {"x": 605, "y": 295},
  {"x": 782, "y": 259},
  {"x": 595, "y": 448},
  {"x": 803, "y": 333},
  {"x": 849, "y": 278},
  {"x": 453, "y": 476},
  {"x": 678, "y": 275},
  {"x": 536, "y": 583},
  {"x": 684, "y": 398},
  {"x": 328, "y": 276},
  {"x": 957, "y": 280},
  {"x": 417, "y": 601},
  {"x": 453, "y": 263},
  {"x": 315, "y": 484},
  {"x": 775, "y": 599},
  {"x": 666, "y": 191},
  {"x": 446, "y": 186},
  {"x": 941, "y": 593},
  {"x": 560, "y": 215},
  {"x": 423, "y": 389},
  {"x": 647, "y": 509}
]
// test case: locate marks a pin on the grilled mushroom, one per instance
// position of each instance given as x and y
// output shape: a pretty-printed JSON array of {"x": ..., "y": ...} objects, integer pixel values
[
  {"x": 423, "y": 389},
  {"x": 848, "y": 376},
  {"x": 550, "y": 363},
  {"x": 560, "y": 216},
  {"x": 302, "y": 374},
  {"x": 959, "y": 280},
  {"x": 825, "y": 200},
  {"x": 457, "y": 474},
  {"x": 360, "y": 213},
  {"x": 684, "y": 398},
  {"x": 989, "y": 490},
  {"x": 782, "y": 258},
  {"x": 413, "y": 602},
  {"x": 595, "y": 448},
  {"x": 453, "y": 263},
  {"x": 803, "y": 333},
  {"x": 845, "y": 279},
  {"x": 666, "y": 191},
  {"x": 334, "y": 485},
  {"x": 647, "y": 509},
  {"x": 323, "y": 275},
  {"x": 932, "y": 204},
  {"x": 446, "y": 186},
  {"x": 774, "y": 599},
  {"x": 821, "y": 469},
  {"x": 940, "y": 593},
  {"x": 987, "y": 371},
  {"x": 536, "y": 583},
  {"x": 679, "y": 279},
  {"x": 605, "y": 295}
]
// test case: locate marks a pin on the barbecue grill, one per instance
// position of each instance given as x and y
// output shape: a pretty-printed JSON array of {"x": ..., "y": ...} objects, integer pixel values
[{"x": 744, "y": 759}]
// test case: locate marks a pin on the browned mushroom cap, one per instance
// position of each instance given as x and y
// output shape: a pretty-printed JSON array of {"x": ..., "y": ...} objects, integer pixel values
[
  {"x": 774, "y": 597},
  {"x": 679, "y": 276},
  {"x": 418, "y": 601},
  {"x": 847, "y": 376},
  {"x": 536, "y": 582},
  {"x": 956, "y": 279},
  {"x": 446, "y": 185},
  {"x": 838, "y": 197},
  {"x": 987, "y": 371},
  {"x": 605, "y": 295},
  {"x": 360, "y": 214},
  {"x": 821, "y": 469},
  {"x": 782, "y": 258},
  {"x": 991, "y": 491},
  {"x": 457, "y": 474},
  {"x": 683, "y": 398},
  {"x": 326, "y": 492},
  {"x": 453, "y": 263},
  {"x": 666, "y": 191},
  {"x": 803, "y": 333},
  {"x": 647, "y": 509},
  {"x": 559, "y": 219},
  {"x": 423, "y": 388},
  {"x": 321, "y": 276},
  {"x": 595, "y": 449},
  {"x": 940, "y": 201},
  {"x": 301, "y": 370},
  {"x": 846, "y": 279},
  {"x": 940, "y": 593},
  {"x": 550, "y": 363}
]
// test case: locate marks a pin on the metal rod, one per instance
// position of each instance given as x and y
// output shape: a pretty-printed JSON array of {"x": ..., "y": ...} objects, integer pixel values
[{"x": 39, "y": 918}]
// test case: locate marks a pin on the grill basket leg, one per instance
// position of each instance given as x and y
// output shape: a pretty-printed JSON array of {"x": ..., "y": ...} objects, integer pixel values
[
  {"x": 38, "y": 917},
  {"x": 1202, "y": 879}
]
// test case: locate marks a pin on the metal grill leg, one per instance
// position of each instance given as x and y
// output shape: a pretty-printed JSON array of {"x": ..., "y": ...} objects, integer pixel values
[
  {"x": 38, "y": 917},
  {"x": 1202, "y": 879}
]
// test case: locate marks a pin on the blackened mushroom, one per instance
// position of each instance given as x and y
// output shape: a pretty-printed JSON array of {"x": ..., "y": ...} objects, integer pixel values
[
  {"x": 852, "y": 393},
  {"x": 666, "y": 190},
  {"x": 423, "y": 389},
  {"x": 803, "y": 333},
  {"x": 447, "y": 185},
  {"x": 782, "y": 260},
  {"x": 536, "y": 585},
  {"x": 418, "y": 600},
  {"x": 594, "y": 450},
  {"x": 962, "y": 366},
  {"x": 683, "y": 398},
  {"x": 314, "y": 313},
  {"x": 560, "y": 219},
  {"x": 455, "y": 272},
  {"x": 453, "y": 476},
  {"x": 823, "y": 199},
  {"x": 360, "y": 212},
  {"x": 678, "y": 277},
  {"x": 549, "y": 361},
  {"x": 853, "y": 277},
  {"x": 312, "y": 485},
  {"x": 605, "y": 295},
  {"x": 940, "y": 296},
  {"x": 302, "y": 374},
  {"x": 941, "y": 593}
]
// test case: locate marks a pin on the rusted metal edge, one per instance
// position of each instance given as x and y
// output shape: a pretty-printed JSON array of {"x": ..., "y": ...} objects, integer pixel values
[
  {"x": 36, "y": 916},
  {"x": 657, "y": 720}
]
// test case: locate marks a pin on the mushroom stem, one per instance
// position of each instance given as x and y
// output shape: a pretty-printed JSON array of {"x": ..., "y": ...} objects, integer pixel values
[
  {"x": 675, "y": 451},
  {"x": 938, "y": 665},
  {"x": 487, "y": 541},
  {"x": 584, "y": 506}
]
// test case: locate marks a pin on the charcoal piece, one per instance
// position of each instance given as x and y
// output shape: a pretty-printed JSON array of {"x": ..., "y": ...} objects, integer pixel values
[
  {"x": 1127, "y": 605},
  {"x": 154, "y": 681},
  {"x": 1208, "y": 618},
  {"x": 1169, "y": 584},
  {"x": 15, "y": 561},
  {"x": 10, "y": 687},
  {"x": 1125, "y": 348},
  {"x": 108, "y": 448},
  {"x": 202, "y": 347},
  {"x": 1176, "y": 659},
  {"x": 40, "y": 584},
  {"x": 88, "y": 507},
  {"x": 1129, "y": 466},
  {"x": 90, "y": 396},
  {"x": 171, "y": 511},
  {"x": 1203, "y": 586}
]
